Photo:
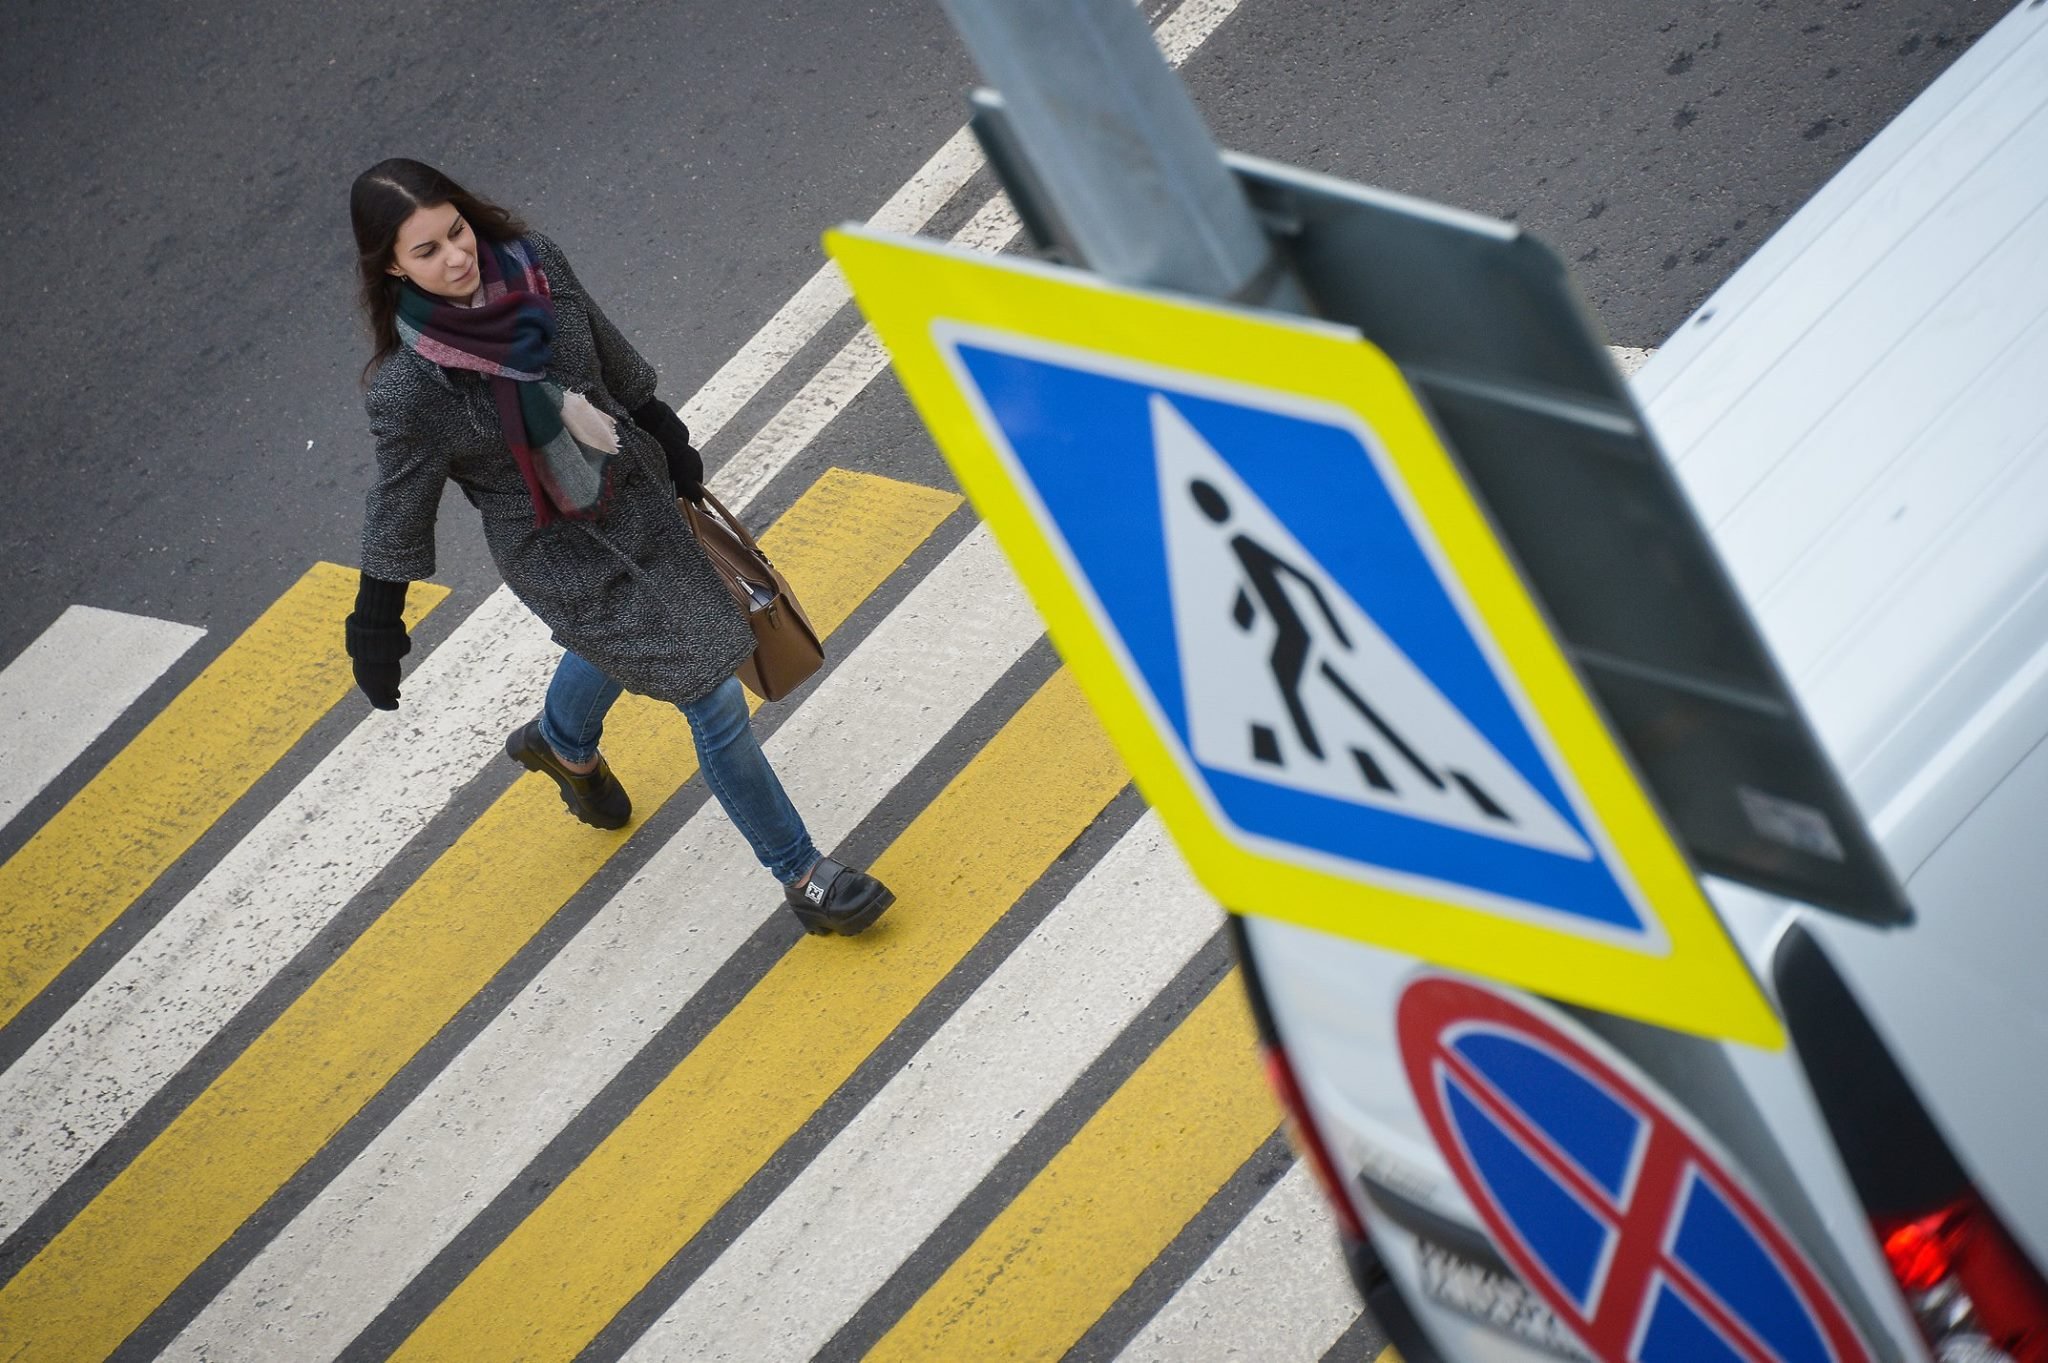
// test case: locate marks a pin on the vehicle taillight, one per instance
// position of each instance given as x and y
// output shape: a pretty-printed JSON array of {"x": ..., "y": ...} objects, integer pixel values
[
  {"x": 1975, "y": 1295},
  {"x": 1301, "y": 1129}
]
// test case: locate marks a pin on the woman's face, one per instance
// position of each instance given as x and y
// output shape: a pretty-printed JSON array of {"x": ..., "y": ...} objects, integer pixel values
[{"x": 437, "y": 251}]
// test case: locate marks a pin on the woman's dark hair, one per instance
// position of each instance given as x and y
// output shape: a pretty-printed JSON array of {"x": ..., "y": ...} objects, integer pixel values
[{"x": 379, "y": 202}]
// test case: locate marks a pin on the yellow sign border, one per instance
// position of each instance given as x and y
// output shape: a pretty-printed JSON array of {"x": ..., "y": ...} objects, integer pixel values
[{"x": 1699, "y": 983}]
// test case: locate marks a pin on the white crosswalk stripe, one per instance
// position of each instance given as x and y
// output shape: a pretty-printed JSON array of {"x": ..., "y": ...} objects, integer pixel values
[
  {"x": 1274, "y": 1291},
  {"x": 797, "y": 322},
  {"x": 64, "y": 689},
  {"x": 1630, "y": 358},
  {"x": 888, "y": 1180},
  {"x": 947, "y": 172},
  {"x": 847, "y": 374}
]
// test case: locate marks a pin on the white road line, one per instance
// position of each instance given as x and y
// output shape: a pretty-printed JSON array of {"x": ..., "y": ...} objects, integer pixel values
[
  {"x": 992, "y": 227},
  {"x": 1189, "y": 26},
  {"x": 802, "y": 419},
  {"x": 887, "y": 1181},
  {"x": 812, "y": 306},
  {"x": 847, "y": 374},
  {"x": 264, "y": 901},
  {"x": 799, "y": 320},
  {"x": 845, "y": 377},
  {"x": 64, "y": 689},
  {"x": 630, "y": 969},
  {"x": 1629, "y": 358},
  {"x": 1275, "y": 1290}
]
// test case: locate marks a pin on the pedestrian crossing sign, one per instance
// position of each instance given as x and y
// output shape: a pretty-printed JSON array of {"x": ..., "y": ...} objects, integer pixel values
[{"x": 1278, "y": 592}]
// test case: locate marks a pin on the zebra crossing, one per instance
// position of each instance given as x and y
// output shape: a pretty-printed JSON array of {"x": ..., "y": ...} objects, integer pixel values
[
  {"x": 420, "y": 1068},
  {"x": 411, "y": 1248}
]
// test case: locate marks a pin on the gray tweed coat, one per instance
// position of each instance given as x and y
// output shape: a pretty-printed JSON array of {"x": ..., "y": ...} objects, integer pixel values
[{"x": 631, "y": 592}]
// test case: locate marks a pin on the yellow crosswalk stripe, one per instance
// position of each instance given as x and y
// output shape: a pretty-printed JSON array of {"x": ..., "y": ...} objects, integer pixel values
[
  {"x": 1107, "y": 1205},
  {"x": 781, "y": 1052},
  {"x": 406, "y": 976},
  {"x": 149, "y": 804}
]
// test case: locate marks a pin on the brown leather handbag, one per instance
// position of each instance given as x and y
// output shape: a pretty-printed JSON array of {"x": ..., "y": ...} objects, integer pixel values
[{"x": 786, "y": 647}]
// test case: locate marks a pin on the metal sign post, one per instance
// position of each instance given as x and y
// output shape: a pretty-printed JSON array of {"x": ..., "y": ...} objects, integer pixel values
[{"x": 1117, "y": 151}]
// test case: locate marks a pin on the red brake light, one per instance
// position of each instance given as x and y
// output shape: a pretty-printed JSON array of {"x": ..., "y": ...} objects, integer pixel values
[
  {"x": 1972, "y": 1289},
  {"x": 1301, "y": 1129},
  {"x": 1921, "y": 1252}
]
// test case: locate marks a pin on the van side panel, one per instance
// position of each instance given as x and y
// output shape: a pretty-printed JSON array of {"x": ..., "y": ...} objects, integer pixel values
[{"x": 1861, "y": 417}]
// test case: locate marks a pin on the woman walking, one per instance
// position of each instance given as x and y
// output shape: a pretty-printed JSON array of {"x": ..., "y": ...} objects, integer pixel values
[{"x": 493, "y": 367}]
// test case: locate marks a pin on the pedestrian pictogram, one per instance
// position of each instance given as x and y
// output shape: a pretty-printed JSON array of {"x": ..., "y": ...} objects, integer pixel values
[
  {"x": 1297, "y": 625},
  {"x": 1290, "y": 682},
  {"x": 1604, "y": 1195}
]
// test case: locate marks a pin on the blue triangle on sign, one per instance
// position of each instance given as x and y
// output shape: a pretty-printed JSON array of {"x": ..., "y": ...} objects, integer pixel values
[{"x": 1386, "y": 739}]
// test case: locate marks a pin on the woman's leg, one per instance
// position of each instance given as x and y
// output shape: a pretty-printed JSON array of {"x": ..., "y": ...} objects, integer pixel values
[
  {"x": 739, "y": 775},
  {"x": 562, "y": 744},
  {"x": 572, "y": 720},
  {"x": 826, "y": 896}
]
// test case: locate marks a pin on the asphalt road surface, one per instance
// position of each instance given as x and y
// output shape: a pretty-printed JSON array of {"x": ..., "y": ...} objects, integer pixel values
[
  {"x": 322, "y": 1035},
  {"x": 185, "y": 423}
]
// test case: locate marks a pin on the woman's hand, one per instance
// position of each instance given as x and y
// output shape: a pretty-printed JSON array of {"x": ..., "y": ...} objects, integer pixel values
[
  {"x": 376, "y": 639},
  {"x": 685, "y": 465}
]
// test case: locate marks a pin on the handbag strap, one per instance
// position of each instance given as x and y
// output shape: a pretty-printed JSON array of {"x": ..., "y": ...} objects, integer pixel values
[{"x": 732, "y": 523}]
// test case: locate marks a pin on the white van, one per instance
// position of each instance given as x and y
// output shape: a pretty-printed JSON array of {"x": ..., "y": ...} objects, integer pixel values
[{"x": 1860, "y": 417}]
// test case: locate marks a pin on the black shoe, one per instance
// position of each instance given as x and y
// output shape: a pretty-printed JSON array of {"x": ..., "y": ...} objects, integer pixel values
[
  {"x": 838, "y": 899},
  {"x": 594, "y": 796}
]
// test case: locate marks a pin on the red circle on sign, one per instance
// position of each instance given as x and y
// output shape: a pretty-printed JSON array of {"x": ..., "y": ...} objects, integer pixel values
[{"x": 1604, "y": 1196}]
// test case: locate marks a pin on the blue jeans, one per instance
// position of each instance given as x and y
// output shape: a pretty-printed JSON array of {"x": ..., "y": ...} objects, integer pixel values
[{"x": 731, "y": 758}]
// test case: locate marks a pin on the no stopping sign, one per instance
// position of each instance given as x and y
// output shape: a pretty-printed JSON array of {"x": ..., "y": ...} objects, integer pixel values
[{"x": 1604, "y": 1196}]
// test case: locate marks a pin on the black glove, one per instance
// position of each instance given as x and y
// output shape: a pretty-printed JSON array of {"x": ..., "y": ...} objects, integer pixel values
[
  {"x": 376, "y": 636},
  {"x": 685, "y": 465}
]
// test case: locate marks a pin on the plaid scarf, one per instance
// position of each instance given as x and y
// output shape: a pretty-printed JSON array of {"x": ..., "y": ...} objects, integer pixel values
[{"x": 510, "y": 339}]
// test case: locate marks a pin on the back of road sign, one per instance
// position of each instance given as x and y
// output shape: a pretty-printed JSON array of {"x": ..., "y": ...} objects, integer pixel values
[
  {"x": 1301, "y": 630},
  {"x": 1484, "y": 322}
]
